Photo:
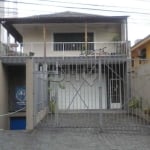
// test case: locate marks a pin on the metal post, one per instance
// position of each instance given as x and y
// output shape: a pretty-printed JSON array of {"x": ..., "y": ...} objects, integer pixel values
[
  {"x": 44, "y": 36},
  {"x": 86, "y": 38}
]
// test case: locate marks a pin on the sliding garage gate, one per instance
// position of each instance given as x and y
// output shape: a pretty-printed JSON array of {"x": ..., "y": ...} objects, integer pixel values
[{"x": 87, "y": 93}]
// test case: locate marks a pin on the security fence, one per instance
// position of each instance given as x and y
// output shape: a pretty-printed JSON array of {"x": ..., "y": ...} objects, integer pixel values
[{"x": 89, "y": 93}]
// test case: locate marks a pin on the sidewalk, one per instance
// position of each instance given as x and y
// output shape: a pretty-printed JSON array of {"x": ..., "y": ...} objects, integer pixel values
[{"x": 71, "y": 139}]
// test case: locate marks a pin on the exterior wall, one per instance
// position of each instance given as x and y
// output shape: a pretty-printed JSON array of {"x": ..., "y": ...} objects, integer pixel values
[
  {"x": 40, "y": 93},
  {"x": 148, "y": 50},
  {"x": 34, "y": 34},
  {"x": 3, "y": 98},
  {"x": 33, "y": 100},
  {"x": 140, "y": 84},
  {"x": 29, "y": 95}
]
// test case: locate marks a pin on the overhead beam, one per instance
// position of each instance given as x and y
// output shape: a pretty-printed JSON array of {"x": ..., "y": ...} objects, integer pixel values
[{"x": 12, "y": 30}]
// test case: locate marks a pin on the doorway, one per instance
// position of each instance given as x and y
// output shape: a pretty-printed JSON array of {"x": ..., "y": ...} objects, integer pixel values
[{"x": 115, "y": 93}]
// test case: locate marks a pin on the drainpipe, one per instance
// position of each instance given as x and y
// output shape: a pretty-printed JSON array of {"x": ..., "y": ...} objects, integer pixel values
[
  {"x": 127, "y": 44},
  {"x": 8, "y": 42},
  {"x": 86, "y": 37},
  {"x": 44, "y": 37}
]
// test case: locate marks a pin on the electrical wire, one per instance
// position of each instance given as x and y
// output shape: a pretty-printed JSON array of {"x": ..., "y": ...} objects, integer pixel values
[
  {"x": 73, "y": 7},
  {"x": 27, "y": 12},
  {"x": 89, "y": 4},
  {"x": 8, "y": 114}
]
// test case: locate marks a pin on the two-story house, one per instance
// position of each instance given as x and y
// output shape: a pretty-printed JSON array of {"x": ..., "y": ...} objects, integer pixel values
[{"x": 76, "y": 62}]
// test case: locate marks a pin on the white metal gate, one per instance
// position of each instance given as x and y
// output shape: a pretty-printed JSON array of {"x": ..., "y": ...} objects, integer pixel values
[{"x": 91, "y": 93}]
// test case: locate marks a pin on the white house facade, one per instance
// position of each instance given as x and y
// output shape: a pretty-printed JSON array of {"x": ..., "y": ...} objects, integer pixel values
[{"x": 72, "y": 61}]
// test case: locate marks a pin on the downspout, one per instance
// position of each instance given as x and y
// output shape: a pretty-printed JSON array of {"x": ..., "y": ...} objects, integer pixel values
[
  {"x": 8, "y": 42},
  {"x": 44, "y": 38},
  {"x": 85, "y": 38},
  {"x": 127, "y": 43}
]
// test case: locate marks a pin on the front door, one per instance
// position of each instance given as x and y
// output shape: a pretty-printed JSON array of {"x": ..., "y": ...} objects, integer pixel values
[{"x": 115, "y": 93}]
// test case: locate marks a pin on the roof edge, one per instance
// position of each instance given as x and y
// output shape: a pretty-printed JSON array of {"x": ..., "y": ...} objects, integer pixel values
[{"x": 141, "y": 42}]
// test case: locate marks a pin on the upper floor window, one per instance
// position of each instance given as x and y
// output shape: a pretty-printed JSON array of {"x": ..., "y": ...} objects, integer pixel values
[
  {"x": 72, "y": 41},
  {"x": 142, "y": 53}
]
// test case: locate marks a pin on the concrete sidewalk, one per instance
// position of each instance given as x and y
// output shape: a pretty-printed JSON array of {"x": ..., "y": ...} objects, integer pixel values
[{"x": 71, "y": 139}]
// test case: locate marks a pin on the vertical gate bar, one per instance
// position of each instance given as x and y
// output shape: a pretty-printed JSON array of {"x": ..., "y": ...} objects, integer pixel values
[
  {"x": 85, "y": 116},
  {"x": 121, "y": 94},
  {"x": 95, "y": 86},
  {"x": 77, "y": 97},
  {"x": 90, "y": 91},
  {"x": 112, "y": 94},
  {"x": 94, "y": 96},
  {"x": 86, "y": 90},
  {"x": 72, "y": 72},
  {"x": 80, "y": 72},
  {"x": 114, "y": 80},
  {"x": 127, "y": 100},
  {"x": 118, "y": 95},
  {"x": 104, "y": 82},
  {"x": 108, "y": 93},
  {"x": 68, "y": 79},
  {"x": 100, "y": 93},
  {"x": 63, "y": 83},
  {"x": 105, "y": 87},
  {"x": 56, "y": 94},
  {"x": 130, "y": 118},
  {"x": 121, "y": 116},
  {"x": 124, "y": 94}
]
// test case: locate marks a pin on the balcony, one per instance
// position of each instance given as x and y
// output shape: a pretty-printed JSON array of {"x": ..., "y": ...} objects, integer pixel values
[
  {"x": 66, "y": 49},
  {"x": 138, "y": 62}
]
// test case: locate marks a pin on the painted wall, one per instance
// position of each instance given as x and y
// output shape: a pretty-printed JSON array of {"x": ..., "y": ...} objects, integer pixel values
[
  {"x": 33, "y": 116},
  {"x": 140, "y": 84},
  {"x": 3, "y": 97},
  {"x": 29, "y": 95},
  {"x": 34, "y": 33}
]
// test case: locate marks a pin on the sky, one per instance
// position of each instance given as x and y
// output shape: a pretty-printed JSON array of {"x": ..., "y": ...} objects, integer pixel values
[{"x": 137, "y": 10}]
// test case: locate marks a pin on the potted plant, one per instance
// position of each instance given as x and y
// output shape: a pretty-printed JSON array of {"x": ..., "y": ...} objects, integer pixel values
[
  {"x": 117, "y": 45},
  {"x": 147, "y": 111},
  {"x": 53, "y": 99},
  {"x": 52, "y": 104},
  {"x": 135, "y": 106},
  {"x": 134, "y": 103}
]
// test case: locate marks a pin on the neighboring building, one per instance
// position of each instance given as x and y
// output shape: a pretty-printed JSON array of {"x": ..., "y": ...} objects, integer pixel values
[
  {"x": 140, "y": 52},
  {"x": 82, "y": 57},
  {"x": 7, "y": 9}
]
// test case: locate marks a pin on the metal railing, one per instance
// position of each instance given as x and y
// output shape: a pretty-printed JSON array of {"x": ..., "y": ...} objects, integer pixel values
[
  {"x": 95, "y": 94},
  {"x": 63, "y": 49}
]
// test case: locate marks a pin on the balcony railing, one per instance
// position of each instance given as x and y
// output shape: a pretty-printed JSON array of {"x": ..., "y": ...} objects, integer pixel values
[
  {"x": 62, "y": 49},
  {"x": 137, "y": 62}
]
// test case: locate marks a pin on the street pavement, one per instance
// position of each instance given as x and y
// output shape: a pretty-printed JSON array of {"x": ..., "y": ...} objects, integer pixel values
[{"x": 71, "y": 139}]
